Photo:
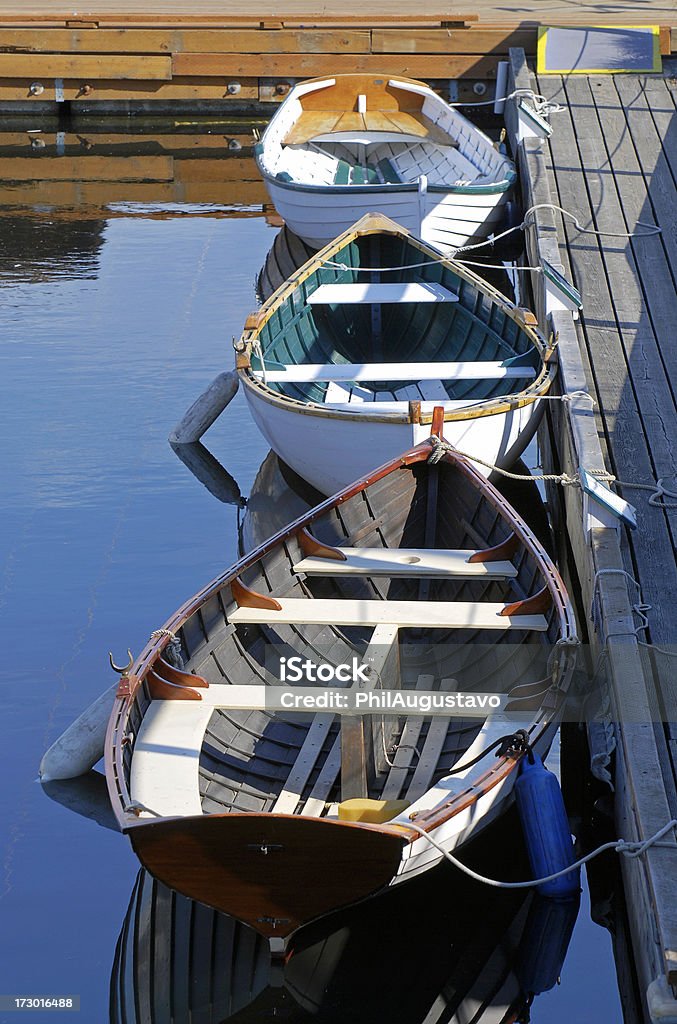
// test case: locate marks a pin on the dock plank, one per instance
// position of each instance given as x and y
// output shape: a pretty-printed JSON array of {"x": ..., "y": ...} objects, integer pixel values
[
  {"x": 620, "y": 341},
  {"x": 309, "y": 65},
  {"x": 117, "y": 90},
  {"x": 184, "y": 40},
  {"x": 85, "y": 66},
  {"x": 584, "y": 172}
]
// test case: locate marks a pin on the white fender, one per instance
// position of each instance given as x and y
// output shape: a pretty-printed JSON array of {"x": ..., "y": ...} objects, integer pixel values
[{"x": 81, "y": 745}]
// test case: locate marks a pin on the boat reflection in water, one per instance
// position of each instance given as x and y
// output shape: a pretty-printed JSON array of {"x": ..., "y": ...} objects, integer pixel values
[{"x": 442, "y": 949}]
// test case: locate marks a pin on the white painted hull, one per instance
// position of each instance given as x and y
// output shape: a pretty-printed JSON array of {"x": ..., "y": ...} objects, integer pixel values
[
  {"x": 331, "y": 452},
  {"x": 421, "y": 855},
  {"x": 445, "y": 220}
]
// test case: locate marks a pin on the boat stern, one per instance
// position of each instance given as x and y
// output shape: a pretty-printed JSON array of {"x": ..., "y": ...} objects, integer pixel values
[{"x": 273, "y": 872}]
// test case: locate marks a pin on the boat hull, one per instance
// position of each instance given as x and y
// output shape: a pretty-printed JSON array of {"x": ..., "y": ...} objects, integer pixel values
[
  {"x": 446, "y": 220},
  {"x": 330, "y": 452},
  {"x": 273, "y": 872},
  {"x": 250, "y": 865}
]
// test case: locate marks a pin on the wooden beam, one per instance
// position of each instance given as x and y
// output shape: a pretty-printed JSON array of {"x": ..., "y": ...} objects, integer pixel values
[
  {"x": 453, "y": 41},
  {"x": 84, "y": 66},
  {"x": 118, "y": 91},
  {"x": 304, "y": 65},
  {"x": 165, "y": 41}
]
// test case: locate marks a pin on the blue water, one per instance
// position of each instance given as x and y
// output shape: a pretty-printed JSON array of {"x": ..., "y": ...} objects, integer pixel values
[{"x": 110, "y": 327}]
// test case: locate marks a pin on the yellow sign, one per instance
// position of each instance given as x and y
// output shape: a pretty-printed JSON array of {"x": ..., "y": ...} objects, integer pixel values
[{"x": 598, "y": 49}]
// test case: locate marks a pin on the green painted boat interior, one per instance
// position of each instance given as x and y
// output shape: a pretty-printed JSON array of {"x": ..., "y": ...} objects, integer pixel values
[{"x": 473, "y": 329}]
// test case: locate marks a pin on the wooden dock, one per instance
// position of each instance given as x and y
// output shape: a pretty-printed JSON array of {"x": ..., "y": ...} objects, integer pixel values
[
  {"x": 166, "y": 54},
  {"x": 611, "y": 162}
]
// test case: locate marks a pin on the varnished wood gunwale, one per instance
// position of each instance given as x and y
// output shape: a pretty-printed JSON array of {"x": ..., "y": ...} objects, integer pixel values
[
  {"x": 115, "y": 773},
  {"x": 375, "y": 224}
]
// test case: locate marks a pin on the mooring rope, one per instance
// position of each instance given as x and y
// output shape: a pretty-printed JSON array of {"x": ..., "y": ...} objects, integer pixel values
[
  {"x": 658, "y": 490},
  {"x": 629, "y": 849},
  {"x": 442, "y": 447},
  {"x": 542, "y": 104},
  {"x": 652, "y": 229}
]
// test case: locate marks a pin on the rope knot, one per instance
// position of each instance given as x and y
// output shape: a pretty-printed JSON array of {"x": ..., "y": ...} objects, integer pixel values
[{"x": 439, "y": 449}]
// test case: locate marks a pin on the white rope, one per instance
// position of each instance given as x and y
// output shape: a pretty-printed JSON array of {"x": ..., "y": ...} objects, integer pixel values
[
  {"x": 655, "y": 647},
  {"x": 639, "y": 607},
  {"x": 650, "y": 229},
  {"x": 658, "y": 493},
  {"x": 440, "y": 447},
  {"x": 542, "y": 105},
  {"x": 629, "y": 849},
  {"x": 658, "y": 490},
  {"x": 500, "y": 266},
  {"x": 653, "y": 229},
  {"x": 157, "y": 634}
]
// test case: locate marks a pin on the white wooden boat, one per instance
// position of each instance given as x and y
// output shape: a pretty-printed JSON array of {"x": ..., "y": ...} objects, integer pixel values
[
  {"x": 177, "y": 960},
  {"x": 422, "y": 572},
  {"x": 343, "y": 365},
  {"x": 340, "y": 147}
]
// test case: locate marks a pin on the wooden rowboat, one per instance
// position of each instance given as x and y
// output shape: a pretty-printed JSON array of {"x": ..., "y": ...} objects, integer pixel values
[
  {"x": 465, "y": 954},
  {"x": 340, "y": 147},
  {"x": 356, "y": 358},
  {"x": 424, "y": 574}
]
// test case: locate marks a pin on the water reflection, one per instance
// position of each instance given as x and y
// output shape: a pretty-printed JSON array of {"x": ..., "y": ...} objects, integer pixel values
[
  {"x": 37, "y": 250},
  {"x": 441, "y": 948},
  {"x": 207, "y": 165},
  {"x": 99, "y": 511},
  {"x": 279, "y": 495}
]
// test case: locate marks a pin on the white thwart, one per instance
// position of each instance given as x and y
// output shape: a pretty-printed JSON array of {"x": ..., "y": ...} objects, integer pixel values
[
  {"x": 400, "y": 407},
  {"x": 366, "y": 292},
  {"x": 484, "y": 370},
  {"x": 406, "y": 614},
  {"x": 166, "y": 758},
  {"x": 406, "y": 562}
]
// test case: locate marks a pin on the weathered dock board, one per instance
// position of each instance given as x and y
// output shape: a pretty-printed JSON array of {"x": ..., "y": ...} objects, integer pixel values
[
  {"x": 164, "y": 52},
  {"x": 611, "y": 162}
]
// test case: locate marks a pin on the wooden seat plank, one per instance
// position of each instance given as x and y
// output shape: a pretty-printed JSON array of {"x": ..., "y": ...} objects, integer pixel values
[
  {"x": 430, "y": 754},
  {"x": 419, "y": 125},
  {"x": 485, "y": 370},
  {"x": 166, "y": 757},
  {"x": 310, "y": 124},
  {"x": 406, "y": 614},
  {"x": 408, "y": 562},
  {"x": 386, "y": 405},
  {"x": 381, "y": 292},
  {"x": 406, "y": 748},
  {"x": 306, "y": 759}
]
